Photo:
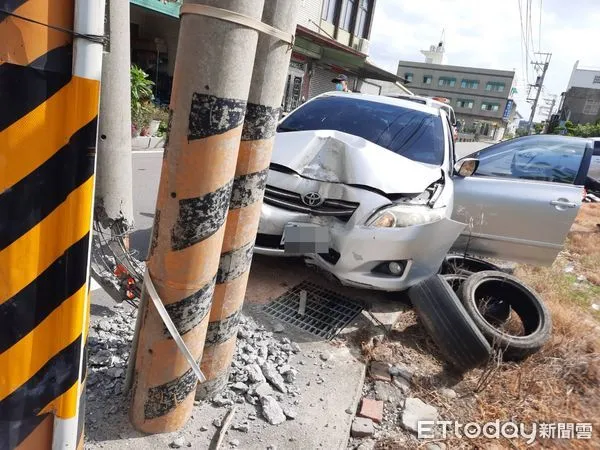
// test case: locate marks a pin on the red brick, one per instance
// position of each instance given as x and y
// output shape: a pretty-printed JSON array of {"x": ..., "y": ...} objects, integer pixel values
[{"x": 372, "y": 409}]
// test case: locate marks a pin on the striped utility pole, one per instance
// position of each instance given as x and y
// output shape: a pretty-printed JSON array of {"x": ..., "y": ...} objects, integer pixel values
[
  {"x": 210, "y": 90},
  {"x": 49, "y": 90},
  {"x": 268, "y": 81}
]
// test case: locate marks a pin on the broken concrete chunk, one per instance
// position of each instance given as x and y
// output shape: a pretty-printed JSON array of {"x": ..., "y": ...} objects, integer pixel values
[
  {"x": 402, "y": 384},
  {"x": 234, "y": 442},
  {"x": 448, "y": 393},
  {"x": 415, "y": 410},
  {"x": 272, "y": 411},
  {"x": 263, "y": 390},
  {"x": 380, "y": 371},
  {"x": 325, "y": 356},
  {"x": 362, "y": 427},
  {"x": 278, "y": 328},
  {"x": 387, "y": 392},
  {"x": 254, "y": 373},
  {"x": 242, "y": 387},
  {"x": 398, "y": 370},
  {"x": 104, "y": 325},
  {"x": 178, "y": 443},
  {"x": 366, "y": 445},
  {"x": 290, "y": 413},
  {"x": 243, "y": 427},
  {"x": 271, "y": 374},
  {"x": 220, "y": 400}
]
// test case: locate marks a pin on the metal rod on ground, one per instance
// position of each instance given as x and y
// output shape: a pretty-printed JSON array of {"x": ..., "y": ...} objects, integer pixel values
[
  {"x": 113, "y": 204},
  {"x": 264, "y": 101},
  {"x": 212, "y": 77}
]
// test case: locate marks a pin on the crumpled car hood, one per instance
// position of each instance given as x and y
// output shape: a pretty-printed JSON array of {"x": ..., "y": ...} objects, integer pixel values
[{"x": 337, "y": 157}]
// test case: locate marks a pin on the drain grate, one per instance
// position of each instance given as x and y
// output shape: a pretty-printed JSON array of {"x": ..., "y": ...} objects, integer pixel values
[{"x": 326, "y": 312}]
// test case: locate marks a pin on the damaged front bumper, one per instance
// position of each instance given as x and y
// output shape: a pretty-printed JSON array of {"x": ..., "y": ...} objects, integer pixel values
[{"x": 359, "y": 255}]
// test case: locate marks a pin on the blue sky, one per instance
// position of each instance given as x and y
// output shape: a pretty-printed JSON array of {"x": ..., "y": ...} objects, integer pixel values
[{"x": 487, "y": 33}]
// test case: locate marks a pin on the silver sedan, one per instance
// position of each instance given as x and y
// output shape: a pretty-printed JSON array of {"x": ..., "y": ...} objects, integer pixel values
[{"x": 367, "y": 188}]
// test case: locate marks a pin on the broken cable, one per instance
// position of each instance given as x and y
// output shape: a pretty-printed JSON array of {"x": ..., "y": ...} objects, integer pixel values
[{"x": 90, "y": 37}]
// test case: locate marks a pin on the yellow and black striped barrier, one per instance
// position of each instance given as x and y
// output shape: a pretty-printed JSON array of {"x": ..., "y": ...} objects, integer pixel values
[{"x": 48, "y": 115}]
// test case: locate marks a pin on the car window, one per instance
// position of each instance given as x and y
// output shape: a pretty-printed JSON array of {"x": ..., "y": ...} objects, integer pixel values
[
  {"x": 543, "y": 159},
  {"x": 414, "y": 134}
]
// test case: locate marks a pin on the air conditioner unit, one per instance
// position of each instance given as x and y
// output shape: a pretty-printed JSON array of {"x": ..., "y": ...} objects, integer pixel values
[{"x": 363, "y": 46}]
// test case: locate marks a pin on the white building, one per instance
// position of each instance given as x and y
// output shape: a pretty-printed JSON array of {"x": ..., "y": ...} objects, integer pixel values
[{"x": 581, "y": 99}]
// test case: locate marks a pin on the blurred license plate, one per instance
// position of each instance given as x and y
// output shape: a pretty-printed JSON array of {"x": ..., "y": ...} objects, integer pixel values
[{"x": 302, "y": 238}]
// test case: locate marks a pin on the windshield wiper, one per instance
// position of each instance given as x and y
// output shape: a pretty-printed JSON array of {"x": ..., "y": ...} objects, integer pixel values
[{"x": 283, "y": 128}]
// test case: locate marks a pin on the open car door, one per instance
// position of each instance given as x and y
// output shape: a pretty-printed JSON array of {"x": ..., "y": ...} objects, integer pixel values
[{"x": 521, "y": 201}]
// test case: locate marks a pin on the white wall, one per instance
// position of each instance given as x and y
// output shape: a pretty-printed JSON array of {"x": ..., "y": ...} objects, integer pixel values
[
  {"x": 583, "y": 77},
  {"x": 310, "y": 11}
]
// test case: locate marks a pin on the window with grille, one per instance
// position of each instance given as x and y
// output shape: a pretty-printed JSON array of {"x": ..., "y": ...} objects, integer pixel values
[
  {"x": 469, "y": 84},
  {"x": 446, "y": 81},
  {"x": 591, "y": 107},
  {"x": 495, "y": 86},
  {"x": 328, "y": 13}
]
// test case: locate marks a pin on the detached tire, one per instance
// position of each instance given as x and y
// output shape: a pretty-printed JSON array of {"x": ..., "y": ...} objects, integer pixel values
[
  {"x": 448, "y": 323},
  {"x": 465, "y": 265},
  {"x": 523, "y": 301},
  {"x": 455, "y": 280}
]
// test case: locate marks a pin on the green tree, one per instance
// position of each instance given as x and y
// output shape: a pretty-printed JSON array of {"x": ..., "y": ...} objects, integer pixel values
[{"x": 141, "y": 96}]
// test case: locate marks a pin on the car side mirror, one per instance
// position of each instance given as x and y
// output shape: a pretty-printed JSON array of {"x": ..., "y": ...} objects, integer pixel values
[{"x": 466, "y": 167}]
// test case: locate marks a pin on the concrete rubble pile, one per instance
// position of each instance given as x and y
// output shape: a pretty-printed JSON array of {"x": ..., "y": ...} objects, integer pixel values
[{"x": 261, "y": 373}]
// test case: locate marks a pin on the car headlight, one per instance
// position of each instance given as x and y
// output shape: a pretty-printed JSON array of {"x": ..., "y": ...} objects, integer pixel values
[{"x": 401, "y": 216}]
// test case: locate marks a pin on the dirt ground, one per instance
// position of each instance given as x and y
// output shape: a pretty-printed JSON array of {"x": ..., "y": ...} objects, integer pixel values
[{"x": 560, "y": 384}]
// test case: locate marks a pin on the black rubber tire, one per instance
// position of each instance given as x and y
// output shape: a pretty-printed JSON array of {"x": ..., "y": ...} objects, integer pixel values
[
  {"x": 455, "y": 280},
  {"x": 497, "y": 314},
  {"x": 534, "y": 315},
  {"x": 467, "y": 265},
  {"x": 449, "y": 325}
]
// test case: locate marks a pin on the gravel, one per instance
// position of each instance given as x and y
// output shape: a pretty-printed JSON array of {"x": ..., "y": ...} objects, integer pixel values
[{"x": 262, "y": 364}]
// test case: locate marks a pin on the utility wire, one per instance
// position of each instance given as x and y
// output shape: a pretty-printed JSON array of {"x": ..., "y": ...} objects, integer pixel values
[
  {"x": 530, "y": 24},
  {"x": 524, "y": 50},
  {"x": 540, "y": 28}
]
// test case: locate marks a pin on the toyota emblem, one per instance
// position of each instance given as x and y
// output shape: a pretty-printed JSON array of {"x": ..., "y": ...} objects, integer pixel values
[{"x": 312, "y": 199}]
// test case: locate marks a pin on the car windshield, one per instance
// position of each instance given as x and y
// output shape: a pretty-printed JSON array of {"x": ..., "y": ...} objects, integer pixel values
[{"x": 413, "y": 134}]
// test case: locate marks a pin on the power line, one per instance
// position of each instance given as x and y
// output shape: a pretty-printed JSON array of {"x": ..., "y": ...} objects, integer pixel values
[
  {"x": 524, "y": 50},
  {"x": 530, "y": 24},
  {"x": 540, "y": 28}
]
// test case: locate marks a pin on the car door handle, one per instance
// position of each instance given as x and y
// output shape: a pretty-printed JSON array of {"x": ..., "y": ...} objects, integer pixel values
[{"x": 563, "y": 203}]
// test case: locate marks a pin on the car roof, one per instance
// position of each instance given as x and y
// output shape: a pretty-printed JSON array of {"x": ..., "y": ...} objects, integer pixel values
[
  {"x": 385, "y": 100},
  {"x": 426, "y": 100}
]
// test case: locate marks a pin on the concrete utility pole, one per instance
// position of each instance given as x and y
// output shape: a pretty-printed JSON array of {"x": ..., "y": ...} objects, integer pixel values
[
  {"x": 539, "y": 84},
  {"x": 264, "y": 107},
  {"x": 551, "y": 109},
  {"x": 113, "y": 205},
  {"x": 210, "y": 91}
]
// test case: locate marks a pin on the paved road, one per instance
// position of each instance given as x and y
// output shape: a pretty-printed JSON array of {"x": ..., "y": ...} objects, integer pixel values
[{"x": 466, "y": 148}]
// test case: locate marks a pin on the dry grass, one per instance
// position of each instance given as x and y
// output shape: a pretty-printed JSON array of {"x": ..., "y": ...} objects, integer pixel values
[{"x": 561, "y": 383}]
